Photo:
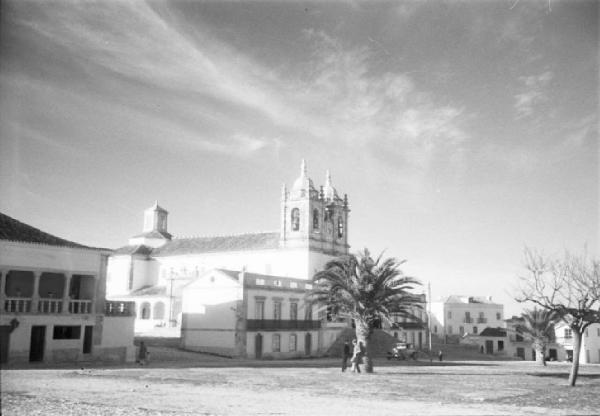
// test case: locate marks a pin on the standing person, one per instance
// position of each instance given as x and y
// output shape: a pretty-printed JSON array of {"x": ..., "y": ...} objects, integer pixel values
[
  {"x": 441, "y": 355},
  {"x": 142, "y": 353},
  {"x": 345, "y": 356},
  {"x": 356, "y": 356}
]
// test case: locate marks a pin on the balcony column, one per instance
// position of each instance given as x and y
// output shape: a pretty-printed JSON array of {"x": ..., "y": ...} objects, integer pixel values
[
  {"x": 35, "y": 298},
  {"x": 3, "y": 273},
  {"x": 67, "y": 294}
]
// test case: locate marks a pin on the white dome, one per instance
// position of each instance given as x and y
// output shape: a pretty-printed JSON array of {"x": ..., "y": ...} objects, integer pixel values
[{"x": 303, "y": 182}]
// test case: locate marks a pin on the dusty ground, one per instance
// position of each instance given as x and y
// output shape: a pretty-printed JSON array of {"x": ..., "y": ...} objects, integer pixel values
[{"x": 216, "y": 386}]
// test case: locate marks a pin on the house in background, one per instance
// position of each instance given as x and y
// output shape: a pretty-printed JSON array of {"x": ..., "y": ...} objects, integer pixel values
[
  {"x": 456, "y": 316},
  {"x": 410, "y": 330},
  {"x": 590, "y": 342},
  {"x": 52, "y": 294}
]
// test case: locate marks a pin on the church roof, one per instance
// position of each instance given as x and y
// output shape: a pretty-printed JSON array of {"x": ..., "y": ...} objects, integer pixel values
[
  {"x": 154, "y": 234},
  {"x": 149, "y": 291},
  {"x": 14, "y": 230},
  {"x": 129, "y": 250},
  {"x": 242, "y": 242}
]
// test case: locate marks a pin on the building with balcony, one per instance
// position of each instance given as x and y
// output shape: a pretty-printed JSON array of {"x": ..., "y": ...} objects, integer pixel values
[
  {"x": 242, "y": 314},
  {"x": 52, "y": 295},
  {"x": 154, "y": 267},
  {"x": 455, "y": 316}
]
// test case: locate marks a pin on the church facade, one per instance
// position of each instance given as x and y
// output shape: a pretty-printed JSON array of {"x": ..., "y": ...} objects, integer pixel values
[{"x": 175, "y": 281}]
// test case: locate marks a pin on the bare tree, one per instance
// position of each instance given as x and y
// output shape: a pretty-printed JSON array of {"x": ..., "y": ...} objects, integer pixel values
[{"x": 568, "y": 286}]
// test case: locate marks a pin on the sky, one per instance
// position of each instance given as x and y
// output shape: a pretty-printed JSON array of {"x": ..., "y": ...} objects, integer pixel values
[{"x": 462, "y": 132}]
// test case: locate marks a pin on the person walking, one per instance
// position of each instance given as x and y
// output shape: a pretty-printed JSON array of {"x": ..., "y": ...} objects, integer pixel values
[
  {"x": 441, "y": 355},
  {"x": 356, "y": 356},
  {"x": 345, "y": 356},
  {"x": 142, "y": 354}
]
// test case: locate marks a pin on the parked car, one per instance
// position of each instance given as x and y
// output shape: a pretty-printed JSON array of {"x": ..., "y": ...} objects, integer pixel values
[{"x": 402, "y": 351}]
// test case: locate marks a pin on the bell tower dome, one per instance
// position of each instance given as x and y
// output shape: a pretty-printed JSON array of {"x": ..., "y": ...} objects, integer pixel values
[{"x": 314, "y": 219}]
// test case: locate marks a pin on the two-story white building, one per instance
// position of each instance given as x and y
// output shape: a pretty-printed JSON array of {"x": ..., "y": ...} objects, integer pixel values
[
  {"x": 590, "y": 342},
  {"x": 456, "y": 316},
  {"x": 52, "y": 295},
  {"x": 252, "y": 315}
]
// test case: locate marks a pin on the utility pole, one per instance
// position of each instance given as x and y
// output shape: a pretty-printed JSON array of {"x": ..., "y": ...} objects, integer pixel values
[{"x": 429, "y": 318}]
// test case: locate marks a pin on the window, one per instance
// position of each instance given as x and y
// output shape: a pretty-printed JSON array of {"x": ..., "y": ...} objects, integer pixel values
[
  {"x": 295, "y": 216},
  {"x": 159, "y": 310},
  {"x": 260, "y": 282},
  {"x": 293, "y": 342},
  {"x": 461, "y": 330},
  {"x": 498, "y": 316},
  {"x": 568, "y": 333},
  {"x": 500, "y": 345},
  {"x": 67, "y": 332},
  {"x": 308, "y": 313},
  {"x": 277, "y": 310},
  {"x": 315, "y": 219},
  {"x": 449, "y": 314},
  {"x": 293, "y": 311},
  {"x": 449, "y": 329},
  {"x": 277, "y": 283},
  {"x": 276, "y": 343},
  {"x": 259, "y": 309},
  {"x": 474, "y": 329},
  {"x": 340, "y": 228},
  {"x": 519, "y": 338},
  {"x": 293, "y": 285},
  {"x": 145, "y": 310},
  {"x": 481, "y": 315},
  {"x": 435, "y": 329}
]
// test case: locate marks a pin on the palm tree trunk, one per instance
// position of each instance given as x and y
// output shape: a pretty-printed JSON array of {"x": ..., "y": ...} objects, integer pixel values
[
  {"x": 576, "y": 348},
  {"x": 363, "y": 334},
  {"x": 540, "y": 353}
]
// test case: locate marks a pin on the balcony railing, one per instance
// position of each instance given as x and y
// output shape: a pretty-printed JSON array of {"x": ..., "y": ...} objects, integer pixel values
[
  {"x": 280, "y": 324},
  {"x": 17, "y": 305},
  {"x": 468, "y": 320},
  {"x": 80, "y": 306},
  {"x": 117, "y": 308},
  {"x": 50, "y": 305},
  {"x": 482, "y": 320}
]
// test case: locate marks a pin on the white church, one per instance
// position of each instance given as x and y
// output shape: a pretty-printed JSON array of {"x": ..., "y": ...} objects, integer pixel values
[{"x": 239, "y": 295}]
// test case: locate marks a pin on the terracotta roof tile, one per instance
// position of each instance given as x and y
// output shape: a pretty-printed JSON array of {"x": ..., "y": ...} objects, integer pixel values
[
  {"x": 130, "y": 250},
  {"x": 14, "y": 230},
  {"x": 493, "y": 332},
  {"x": 242, "y": 242}
]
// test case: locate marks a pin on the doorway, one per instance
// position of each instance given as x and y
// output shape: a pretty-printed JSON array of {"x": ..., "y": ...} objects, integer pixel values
[
  {"x": 38, "y": 343},
  {"x": 4, "y": 343},
  {"x": 258, "y": 345},
  {"x": 489, "y": 347},
  {"x": 307, "y": 343},
  {"x": 87, "y": 339}
]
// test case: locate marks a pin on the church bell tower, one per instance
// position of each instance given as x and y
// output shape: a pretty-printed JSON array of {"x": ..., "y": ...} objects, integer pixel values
[{"x": 315, "y": 219}]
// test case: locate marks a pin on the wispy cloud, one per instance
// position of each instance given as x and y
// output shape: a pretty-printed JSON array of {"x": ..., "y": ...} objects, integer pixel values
[
  {"x": 337, "y": 96},
  {"x": 534, "y": 93},
  {"x": 361, "y": 105}
]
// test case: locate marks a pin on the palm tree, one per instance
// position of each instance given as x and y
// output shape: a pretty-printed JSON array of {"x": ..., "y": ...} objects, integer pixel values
[
  {"x": 365, "y": 290},
  {"x": 538, "y": 326}
]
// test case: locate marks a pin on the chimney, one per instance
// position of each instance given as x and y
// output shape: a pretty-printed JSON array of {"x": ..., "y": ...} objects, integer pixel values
[{"x": 242, "y": 274}]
